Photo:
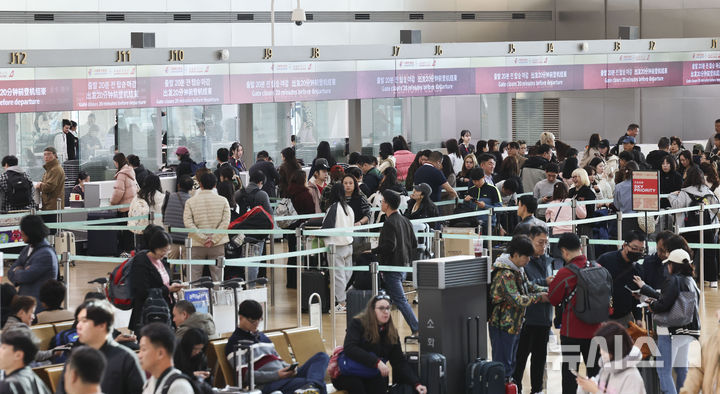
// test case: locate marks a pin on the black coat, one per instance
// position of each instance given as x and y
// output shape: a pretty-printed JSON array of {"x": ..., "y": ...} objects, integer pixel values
[
  {"x": 185, "y": 167},
  {"x": 397, "y": 241},
  {"x": 357, "y": 348},
  {"x": 665, "y": 300},
  {"x": 123, "y": 374},
  {"x": 144, "y": 276},
  {"x": 271, "y": 176},
  {"x": 622, "y": 273},
  {"x": 585, "y": 194}
]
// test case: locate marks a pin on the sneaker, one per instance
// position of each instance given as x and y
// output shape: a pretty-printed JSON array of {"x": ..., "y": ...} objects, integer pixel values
[
  {"x": 713, "y": 285},
  {"x": 340, "y": 308},
  {"x": 308, "y": 389}
]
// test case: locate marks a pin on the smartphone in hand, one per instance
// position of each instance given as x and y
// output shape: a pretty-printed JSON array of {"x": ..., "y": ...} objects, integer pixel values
[{"x": 292, "y": 366}]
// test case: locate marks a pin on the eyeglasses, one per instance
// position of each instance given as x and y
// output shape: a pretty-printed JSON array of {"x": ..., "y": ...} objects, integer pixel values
[
  {"x": 253, "y": 321},
  {"x": 383, "y": 308}
]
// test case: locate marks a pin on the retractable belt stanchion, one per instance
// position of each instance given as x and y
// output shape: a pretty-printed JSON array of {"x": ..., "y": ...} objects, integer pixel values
[
  {"x": 66, "y": 264},
  {"x": 375, "y": 275},
  {"x": 489, "y": 232},
  {"x": 619, "y": 228},
  {"x": 573, "y": 205},
  {"x": 220, "y": 263},
  {"x": 246, "y": 252},
  {"x": 584, "y": 240},
  {"x": 271, "y": 271},
  {"x": 58, "y": 216},
  {"x": 331, "y": 265},
  {"x": 437, "y": 234},
  {"x": 298, "y": 284},
  {"x": 702, "y": 248},
  {"x": 188, "y": 255}
]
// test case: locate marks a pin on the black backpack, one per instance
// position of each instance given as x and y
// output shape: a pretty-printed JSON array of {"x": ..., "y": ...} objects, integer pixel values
[
  {"x": 469, "y": 221},
  {"x": 692, "y": 218},
  {"x": 245, "y": 200},
  {"x": 198, "y": 387},
  {"x": 19, "y": 190},
  {"x": 155, "y": 309},
  {"x": 593, "y": 293}
]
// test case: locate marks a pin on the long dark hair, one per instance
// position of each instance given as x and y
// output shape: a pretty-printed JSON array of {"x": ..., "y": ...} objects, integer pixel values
[
  {"x": 560, "y": 191},
  {"x": 323, "y": 150},
  {"x": 399, "y": 143},
  {"x": 386, "y": 150},
  {"x": 688, "y": 156},
  {"x": 371, "y": 326},
  {"x": 694, "y": 177},
  {"x": 447, "y": 167},
  {"x": 356, "y": 189},
  {"x": 183, "y": 354},
  {"x": 150, "y": 185},
  {"x": 337, "y": 195},
  {"x": 226, "y": 189},
  {"x": 389, "y": 179},
  {"x": 480, "y": 146},
  {"x": 669, "y": 159},
  {"x": 290, "y": 159},
  {"x": 509, "y": 167},
  {"x": 120, "y": 159},
  {"x": 594, "y": 142}
]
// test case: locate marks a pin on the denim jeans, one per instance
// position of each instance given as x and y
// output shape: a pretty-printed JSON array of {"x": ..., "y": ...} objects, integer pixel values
[
  {"x": 393, "y": 285},
  {"x": 504, "y": 348},
  {"x": 313, "y": 371},
  {"x": 674, "y": 355}
]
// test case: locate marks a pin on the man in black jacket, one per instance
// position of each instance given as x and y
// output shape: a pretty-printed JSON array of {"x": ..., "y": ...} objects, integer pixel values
[
  {"x": 622, "y": 267},
  {"x": 267, "y": 167},
  {"x": 123, "y": 374},
  {"x": 655, "y": 158},
  {"x": 654, "y": 272},
  {"x": 397, "y": 246}
]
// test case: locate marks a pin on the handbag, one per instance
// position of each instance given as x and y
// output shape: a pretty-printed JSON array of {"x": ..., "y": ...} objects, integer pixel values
[
  {"x": 350, "y": 367},
  {"x": 682, "y": 311},
  {"x": 651, "y": 223},
  {"x": 285, "y": 208}
]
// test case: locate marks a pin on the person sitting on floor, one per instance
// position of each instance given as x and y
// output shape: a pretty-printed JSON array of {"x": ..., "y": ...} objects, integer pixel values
[{"x": 270, "y": 371}]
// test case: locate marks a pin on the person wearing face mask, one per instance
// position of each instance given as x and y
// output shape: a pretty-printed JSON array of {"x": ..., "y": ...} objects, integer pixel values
[
  {"x": 511, "y": 292},
  {"x": 149, "y": 271},
  {"x": 622, "y": 265}
]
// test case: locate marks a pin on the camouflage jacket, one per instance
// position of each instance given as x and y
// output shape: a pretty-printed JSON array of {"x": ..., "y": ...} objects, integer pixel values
[{"x": 511, "y": 292}]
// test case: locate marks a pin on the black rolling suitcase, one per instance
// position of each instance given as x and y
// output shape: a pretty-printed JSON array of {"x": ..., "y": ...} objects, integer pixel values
[
  {"x": 482, "y": 376},
  {"x": 432, "y": 372},
  {"x": 102, "y": 242},
  {"x": 315, "y": 281},
  {"x": 355, "y": 302}
]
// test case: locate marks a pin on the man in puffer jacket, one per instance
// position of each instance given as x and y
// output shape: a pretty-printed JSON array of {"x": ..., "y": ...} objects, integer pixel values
[
  {"x": 186, "y": 317},
  {"x": 511, "y": 293}
]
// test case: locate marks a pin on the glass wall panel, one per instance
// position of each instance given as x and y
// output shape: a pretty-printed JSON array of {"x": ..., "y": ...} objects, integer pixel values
[
  {"x": 271, "y": 129},
  {"x": 34, "y": 131},
  {"x": 317, "y": 121},
  {"x": 96, "y": 130},
  {"x": 202, "y": 129},
  {"x": 4, "y": 136},
  {"x": 381, "y": 121},
  {"x": 139, "y": 133}
]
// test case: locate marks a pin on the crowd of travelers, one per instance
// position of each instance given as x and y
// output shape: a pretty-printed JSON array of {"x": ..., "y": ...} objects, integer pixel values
[{"x": 580, "y": 294}]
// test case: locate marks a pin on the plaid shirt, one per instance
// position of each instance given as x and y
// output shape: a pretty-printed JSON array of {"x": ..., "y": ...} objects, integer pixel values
[{"x": 6, "y": 204}]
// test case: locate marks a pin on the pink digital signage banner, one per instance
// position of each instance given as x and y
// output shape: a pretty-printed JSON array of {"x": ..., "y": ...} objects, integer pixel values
[{"x": 21, "y": 90}]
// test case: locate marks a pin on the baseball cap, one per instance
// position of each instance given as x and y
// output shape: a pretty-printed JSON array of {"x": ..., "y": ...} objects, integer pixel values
[
  {"x": 678, "y": 256},
  {"x": 321, "y": 164},
  {"x": 604, "y": 144},
  {"x": 181, "y": 150},
  {"x": 629, "y": 140}
]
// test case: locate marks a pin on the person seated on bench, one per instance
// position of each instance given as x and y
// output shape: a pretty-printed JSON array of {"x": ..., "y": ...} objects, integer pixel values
[
  {"x": 271, "y": 372},
  {"x": 52, "y": 295},
  {"x": 371, "y": 341},
  {"x": 17, "y": 351},
  {"x": 186, "y": 317}
]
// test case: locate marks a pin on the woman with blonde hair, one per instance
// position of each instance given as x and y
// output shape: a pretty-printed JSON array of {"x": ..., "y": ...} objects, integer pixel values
[{"x": 370, "y": 343}]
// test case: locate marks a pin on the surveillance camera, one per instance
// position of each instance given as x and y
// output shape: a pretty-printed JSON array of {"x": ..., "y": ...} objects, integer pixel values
[
  {"x": 298, "y": 16},
  {"x": 224, "y": 54}
]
